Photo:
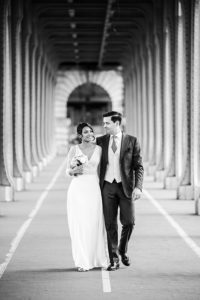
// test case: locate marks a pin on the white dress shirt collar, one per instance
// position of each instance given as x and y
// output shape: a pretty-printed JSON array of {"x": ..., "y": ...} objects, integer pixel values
[{"x": 119, "y": 134}]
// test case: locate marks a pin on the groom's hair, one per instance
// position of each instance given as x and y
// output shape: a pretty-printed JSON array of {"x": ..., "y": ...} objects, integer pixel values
[{"x": 115, "y": 116}]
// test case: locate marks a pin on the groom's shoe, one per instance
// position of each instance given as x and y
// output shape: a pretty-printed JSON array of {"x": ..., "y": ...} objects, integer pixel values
[
  {"x": 125, "y": 259},
  {"x": 114, "y": 265}
]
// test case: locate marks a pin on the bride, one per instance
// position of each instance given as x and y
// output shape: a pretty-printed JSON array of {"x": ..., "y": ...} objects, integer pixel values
[{"x": 84, "y": 203}]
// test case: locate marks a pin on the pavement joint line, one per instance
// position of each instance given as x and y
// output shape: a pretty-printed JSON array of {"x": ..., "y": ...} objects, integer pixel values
[
  {"x": 21, "y": 232},
  {"x": 106, "y": 281},
  {"x": 174, "y": 224}
]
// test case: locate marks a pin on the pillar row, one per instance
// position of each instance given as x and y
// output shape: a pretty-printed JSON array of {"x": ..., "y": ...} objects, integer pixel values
[
  {"x": 26, "y": 109},
  {"x": 6, "y": 140},
  {"x": 195, "y": 105},
  {"x": 17, "y": 97},
  {"x": 166, "y": 95},
  {"x": 26, "y": 100}
]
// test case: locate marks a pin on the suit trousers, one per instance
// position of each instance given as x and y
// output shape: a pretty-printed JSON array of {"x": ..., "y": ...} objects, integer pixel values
[{"x": 114, "y": 199}]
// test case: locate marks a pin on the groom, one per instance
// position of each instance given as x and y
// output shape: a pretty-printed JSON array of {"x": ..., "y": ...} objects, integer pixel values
[{"x": 121, "y": 177}]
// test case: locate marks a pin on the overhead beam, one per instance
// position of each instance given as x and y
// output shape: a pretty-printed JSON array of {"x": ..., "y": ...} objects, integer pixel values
[
  {"x": 44, "y": 8},
  {"x": 105, "y": 30}
]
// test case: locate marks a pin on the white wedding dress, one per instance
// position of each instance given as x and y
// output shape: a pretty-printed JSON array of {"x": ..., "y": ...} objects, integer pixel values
[{"x": 85, "y": 214}]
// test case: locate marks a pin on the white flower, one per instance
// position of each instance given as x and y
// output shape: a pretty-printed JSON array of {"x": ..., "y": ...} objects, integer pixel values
[{"x": 78, "y": 160}]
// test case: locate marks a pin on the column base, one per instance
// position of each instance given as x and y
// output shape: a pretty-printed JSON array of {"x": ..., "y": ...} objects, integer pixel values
[
  {"x": 171, "y": 182},
  {"x": 197, "y": 207},
  {"x": 44, "y": 162},
  {"x": 50, "y": 157},
  {"x": 151, "y": 170},
  {"x": 19, "y": 184},
  {"x": 6, "y": 193},
  {"x": 185, "y": 192},
  {"x": 35, "y": 170},
  {"x": 28, "y": 177},
  {"x": 40, "y": 165},
  {"x": 160, "y": 175},
  {"x": 197, "y": 200}
]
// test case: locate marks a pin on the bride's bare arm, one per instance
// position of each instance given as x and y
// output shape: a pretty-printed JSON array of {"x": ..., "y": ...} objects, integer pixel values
[
  {"x": 75, "y": 170},
  {"x": 70, "y": 155}
]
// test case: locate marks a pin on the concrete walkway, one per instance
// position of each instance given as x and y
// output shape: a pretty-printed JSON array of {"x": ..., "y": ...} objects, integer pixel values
[{"x": 35, "y": 250}]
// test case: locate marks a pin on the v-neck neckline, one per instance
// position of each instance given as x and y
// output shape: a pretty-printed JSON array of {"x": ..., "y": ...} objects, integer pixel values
[{"x": 85, "y": 154}]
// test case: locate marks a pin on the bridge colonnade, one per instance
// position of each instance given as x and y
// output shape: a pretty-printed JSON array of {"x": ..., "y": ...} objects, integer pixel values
[
  {"x": 162, "y": 97},
  {"x": 161, "y": 84},
  {"x": 27, "y": 83}
]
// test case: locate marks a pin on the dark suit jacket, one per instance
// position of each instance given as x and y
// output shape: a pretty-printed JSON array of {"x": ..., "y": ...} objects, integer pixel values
[{"x": 131, "y": 167}]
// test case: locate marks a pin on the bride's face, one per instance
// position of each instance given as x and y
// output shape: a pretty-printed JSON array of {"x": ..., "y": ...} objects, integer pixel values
[{"x": 87, "y": 134}]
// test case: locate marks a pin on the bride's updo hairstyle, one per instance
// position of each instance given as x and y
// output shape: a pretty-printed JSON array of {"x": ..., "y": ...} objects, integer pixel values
[{"x": 81, "y": 126}]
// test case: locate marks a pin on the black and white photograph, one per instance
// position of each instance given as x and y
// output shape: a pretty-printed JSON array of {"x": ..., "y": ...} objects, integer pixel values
[{"x": 100, "y": 149}]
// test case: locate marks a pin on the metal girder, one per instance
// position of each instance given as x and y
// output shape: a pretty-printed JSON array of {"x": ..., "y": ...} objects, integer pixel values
[
  {"x": 106, "y": 25},
  {"x": 92, "y": 32}
]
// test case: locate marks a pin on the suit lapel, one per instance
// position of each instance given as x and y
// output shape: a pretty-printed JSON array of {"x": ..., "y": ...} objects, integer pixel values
[
  {"x": 124, "y": 145},
  {"x": 105, "y": 147}
]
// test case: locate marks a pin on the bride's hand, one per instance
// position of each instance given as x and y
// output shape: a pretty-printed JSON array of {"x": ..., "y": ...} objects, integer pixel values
[{"x": 76, "y": 170}]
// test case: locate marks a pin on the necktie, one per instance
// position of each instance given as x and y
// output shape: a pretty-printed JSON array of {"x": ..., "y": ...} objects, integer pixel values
[{"x": 114, "y": 145}]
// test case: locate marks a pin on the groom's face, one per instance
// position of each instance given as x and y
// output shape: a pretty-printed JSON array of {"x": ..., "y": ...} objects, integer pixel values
[{"x": 109, "y": 125}]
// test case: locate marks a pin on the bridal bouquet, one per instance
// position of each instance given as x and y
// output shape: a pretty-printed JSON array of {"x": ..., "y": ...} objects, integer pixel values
[{"x": 78, "y": 160}]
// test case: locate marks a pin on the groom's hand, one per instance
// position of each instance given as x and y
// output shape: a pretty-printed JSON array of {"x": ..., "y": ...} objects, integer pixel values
[{"x": 136, "y": 194}]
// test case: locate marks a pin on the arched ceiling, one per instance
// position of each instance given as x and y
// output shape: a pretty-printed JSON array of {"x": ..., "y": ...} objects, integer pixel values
[
  {"x": 92, "y": 34},
  {"x": 68, "y": 81},
  {"x": 88, "y": 92}
]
